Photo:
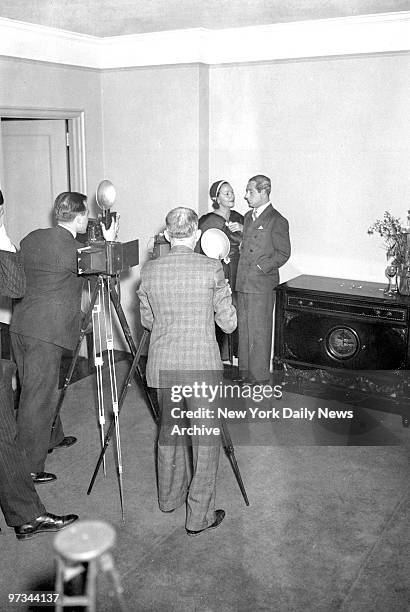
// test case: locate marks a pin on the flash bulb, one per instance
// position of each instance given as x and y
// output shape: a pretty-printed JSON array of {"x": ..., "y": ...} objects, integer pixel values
[{"x": 105, "y": 195}]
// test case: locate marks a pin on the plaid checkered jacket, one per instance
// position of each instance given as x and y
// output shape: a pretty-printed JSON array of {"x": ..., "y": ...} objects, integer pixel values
[
  {"x": 182, "y": 295},
  {"x": 12, "y": 278}
]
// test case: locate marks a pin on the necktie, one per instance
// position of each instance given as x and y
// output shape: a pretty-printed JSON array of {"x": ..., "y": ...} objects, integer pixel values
[{"x": 254, "y": 214}]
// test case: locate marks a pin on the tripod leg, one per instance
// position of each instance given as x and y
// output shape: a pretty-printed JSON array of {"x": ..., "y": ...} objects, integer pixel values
[
  {"x": 84, "y": 326},
  {"x": 120, "y": 403},
  {"x": 229, "y": 449},
  {"x": 119, "y": 458},
  {"x": 114, "y": 397},
  {"x": 99, "y": 362},
  {"x": 230, "y": 349},
  {"x": 131, "y": 344},
  {"x": 100, "y": 398}
]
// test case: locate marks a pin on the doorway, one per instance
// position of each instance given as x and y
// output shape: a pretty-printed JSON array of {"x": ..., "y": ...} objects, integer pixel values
[
  {"x": 35, "y": 171},
  {"x": 42, "y": 153}
]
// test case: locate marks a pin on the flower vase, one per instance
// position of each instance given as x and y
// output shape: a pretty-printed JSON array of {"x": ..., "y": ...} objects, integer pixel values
[{"x": 403, "y": 279}]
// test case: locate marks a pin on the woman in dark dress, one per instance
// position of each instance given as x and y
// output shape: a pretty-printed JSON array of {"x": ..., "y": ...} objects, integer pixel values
[{"x": 231, "y": 223}]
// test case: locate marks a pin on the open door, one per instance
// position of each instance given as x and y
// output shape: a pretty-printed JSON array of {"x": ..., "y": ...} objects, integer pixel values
[
  {"x": 35, "y": 171},
  {"x": 38, "y": 160}
]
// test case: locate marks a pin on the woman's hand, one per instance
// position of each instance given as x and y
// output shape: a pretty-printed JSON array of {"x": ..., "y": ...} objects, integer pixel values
[{"x": 234, "y": 226}]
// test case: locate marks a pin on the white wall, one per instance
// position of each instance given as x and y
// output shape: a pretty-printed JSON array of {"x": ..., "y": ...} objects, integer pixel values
[
  {"x": 40, "y": 85},
  {"x": 26, "y": 84},
  {"x": 155, "y": 151},
  {"x": 334, "y": 136}
]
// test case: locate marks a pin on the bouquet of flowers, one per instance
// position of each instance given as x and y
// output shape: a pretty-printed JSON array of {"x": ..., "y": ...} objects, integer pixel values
[{"x": 395, "y": 236}]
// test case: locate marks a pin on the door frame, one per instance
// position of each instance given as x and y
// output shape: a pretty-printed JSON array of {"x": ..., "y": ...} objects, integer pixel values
[{"x": 75, "y": 118}]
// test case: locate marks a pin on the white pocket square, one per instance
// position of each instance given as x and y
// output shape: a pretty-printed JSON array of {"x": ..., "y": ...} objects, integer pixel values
[{"x": 260, "y": 227}]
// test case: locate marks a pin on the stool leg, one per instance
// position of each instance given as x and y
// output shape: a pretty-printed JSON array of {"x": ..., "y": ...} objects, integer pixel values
[
  {"x": 90, "y": 588},
  {"x": 65, "y": 572},
  {"x": 107, "y": 565},
  {"x": 59, "y": 585}
]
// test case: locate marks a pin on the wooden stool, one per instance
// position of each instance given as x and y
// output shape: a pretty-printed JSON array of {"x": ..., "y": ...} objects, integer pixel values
[{"x": 83, "y": 547}]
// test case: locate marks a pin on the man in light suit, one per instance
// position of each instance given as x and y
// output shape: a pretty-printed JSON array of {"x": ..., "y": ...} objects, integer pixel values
[
  {"x": 182, "y": 295},
  {"x": 46, "y": 321},
  {"x": 21, "y": 506},
  {"x": 265, "y": 248}
]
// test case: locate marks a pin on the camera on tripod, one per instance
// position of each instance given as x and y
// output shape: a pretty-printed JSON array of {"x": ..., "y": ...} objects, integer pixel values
[{"x": 100, "y": 256}]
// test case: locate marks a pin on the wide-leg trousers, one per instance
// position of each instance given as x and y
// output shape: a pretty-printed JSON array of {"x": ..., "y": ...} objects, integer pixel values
[
  {"x": 187, "y": 465},
  {"x": 255, "y": 314},
  {"x": 38, "y": 366},
  {"x": 18, "y": 498}
]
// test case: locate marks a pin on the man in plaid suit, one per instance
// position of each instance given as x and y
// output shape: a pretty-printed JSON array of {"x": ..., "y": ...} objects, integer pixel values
[
  {"x": 182, "y": 295},
  {"x": 21, "y": 506}
]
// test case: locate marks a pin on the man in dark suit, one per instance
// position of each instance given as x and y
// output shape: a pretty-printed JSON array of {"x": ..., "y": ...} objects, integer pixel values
[
  {"x": 21, "y": 506},
  {"x": 182, "y": 295},
  {"x": 265, "y": 248},
  {"x": 46, "y": 321}
]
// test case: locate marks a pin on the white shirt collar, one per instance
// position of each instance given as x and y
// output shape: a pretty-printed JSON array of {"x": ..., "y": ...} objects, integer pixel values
[
  {"x": 260, "y": 209},
  {"x": 5, "y": 242}
]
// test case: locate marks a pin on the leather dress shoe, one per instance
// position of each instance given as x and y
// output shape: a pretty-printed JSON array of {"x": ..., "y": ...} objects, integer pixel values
[
  {"x": 220, "y": 515},
  {"x": 252, "y": 383},
  {"x": 43, "y": 477},
  {"x": 65, "y": 443},
  {"x": 43, "y": 524},
  {"x": 238, "y": 378}
]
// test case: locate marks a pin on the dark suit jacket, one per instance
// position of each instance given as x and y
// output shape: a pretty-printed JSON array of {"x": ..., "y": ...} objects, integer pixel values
[
  {"x": 12, "y": 279},
  {"x": 51, "y": 307},
  {"x": 182, "y": 295},
  {"x": 266, "y": 244}
]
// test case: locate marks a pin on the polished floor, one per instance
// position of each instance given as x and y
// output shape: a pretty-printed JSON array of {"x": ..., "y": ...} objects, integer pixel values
[{"x": 327, "y": 527}]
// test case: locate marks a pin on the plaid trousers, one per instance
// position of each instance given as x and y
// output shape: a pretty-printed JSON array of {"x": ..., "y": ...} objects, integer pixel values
[{"x": 187, "y": 465}]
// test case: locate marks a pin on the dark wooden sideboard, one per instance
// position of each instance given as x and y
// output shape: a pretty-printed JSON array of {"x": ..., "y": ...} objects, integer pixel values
[{"x": 344, "y": 340}]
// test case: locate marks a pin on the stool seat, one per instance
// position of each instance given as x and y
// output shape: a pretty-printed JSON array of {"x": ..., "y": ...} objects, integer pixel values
[
  {"x": 83, "y": 549},
  {"x": 84, "y": 541}
]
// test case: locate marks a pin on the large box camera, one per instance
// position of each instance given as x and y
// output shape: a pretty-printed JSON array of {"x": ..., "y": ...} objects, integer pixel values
[{"x": 107, "y": 257}]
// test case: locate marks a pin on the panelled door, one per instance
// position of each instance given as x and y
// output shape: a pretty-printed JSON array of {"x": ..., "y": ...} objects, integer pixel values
[{"x": 34, "y": 170}]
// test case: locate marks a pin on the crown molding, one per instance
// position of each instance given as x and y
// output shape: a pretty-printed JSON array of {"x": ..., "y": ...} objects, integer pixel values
[
  {"x": 29, "y": 41},
  {"x": 382, "y": 33}
]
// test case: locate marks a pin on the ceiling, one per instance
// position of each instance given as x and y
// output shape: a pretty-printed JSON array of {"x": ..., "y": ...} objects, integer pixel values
[{"x": 118, "y": 17}]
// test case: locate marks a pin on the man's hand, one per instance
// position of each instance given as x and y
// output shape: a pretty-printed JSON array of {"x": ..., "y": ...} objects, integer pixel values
[{"x": 110, "y": 234}]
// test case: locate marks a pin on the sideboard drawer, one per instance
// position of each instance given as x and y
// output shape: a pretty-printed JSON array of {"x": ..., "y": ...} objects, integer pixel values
[{"x": 372, "y": 311}]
